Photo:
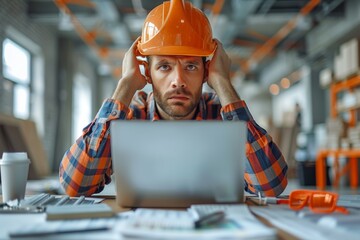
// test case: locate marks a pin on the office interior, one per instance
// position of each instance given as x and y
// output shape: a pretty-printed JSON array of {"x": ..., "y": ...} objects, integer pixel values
[{"x": 295, "y": 63}]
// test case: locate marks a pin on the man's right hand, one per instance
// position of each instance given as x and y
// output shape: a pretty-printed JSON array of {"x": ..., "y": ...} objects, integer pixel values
[{"x": 132, "y": 79}]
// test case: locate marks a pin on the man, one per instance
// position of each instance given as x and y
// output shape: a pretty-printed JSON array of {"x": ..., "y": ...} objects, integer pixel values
[{"x": 176, "y": 68}]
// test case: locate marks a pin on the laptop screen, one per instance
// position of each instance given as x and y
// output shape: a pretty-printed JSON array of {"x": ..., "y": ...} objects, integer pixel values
[{"x": 178, "y": 163}]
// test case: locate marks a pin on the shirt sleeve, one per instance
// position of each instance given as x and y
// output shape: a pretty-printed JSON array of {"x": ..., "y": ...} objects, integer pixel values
[
  {"x": 265, "y": 168},
  {"x": 86, "y": 166}
]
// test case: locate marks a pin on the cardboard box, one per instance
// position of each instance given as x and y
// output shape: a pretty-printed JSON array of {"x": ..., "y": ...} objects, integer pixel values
[
  {"x": 325, "y": 77},
  {"x": 18, "y": 135},
  {"x": 344, "y": 60},
  {"x": 354, "y": 55},
  {"x": 338, "y": 68}
]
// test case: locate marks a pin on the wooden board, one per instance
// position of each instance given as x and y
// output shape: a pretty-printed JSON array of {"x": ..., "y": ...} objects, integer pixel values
[{"x": 18, "y": 135}]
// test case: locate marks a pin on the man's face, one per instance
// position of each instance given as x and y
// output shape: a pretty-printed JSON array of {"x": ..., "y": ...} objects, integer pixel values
[{"x": 177, "y": 85}]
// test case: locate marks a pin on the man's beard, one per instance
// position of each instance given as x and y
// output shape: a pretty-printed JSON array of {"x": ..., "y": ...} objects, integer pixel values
[{"x": 177, "y": 109}]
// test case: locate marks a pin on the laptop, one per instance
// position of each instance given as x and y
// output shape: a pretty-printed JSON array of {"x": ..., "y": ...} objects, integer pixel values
[{"x": 178, "y": 163}]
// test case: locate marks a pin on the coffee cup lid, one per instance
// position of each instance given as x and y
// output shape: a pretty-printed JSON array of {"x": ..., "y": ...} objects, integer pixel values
[
  {"x": 22, "y": 161},
  {"x": 14, "y": 156}
]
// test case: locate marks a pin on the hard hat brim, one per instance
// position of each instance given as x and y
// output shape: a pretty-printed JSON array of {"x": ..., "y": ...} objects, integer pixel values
[{"x": 176, "y": 50}]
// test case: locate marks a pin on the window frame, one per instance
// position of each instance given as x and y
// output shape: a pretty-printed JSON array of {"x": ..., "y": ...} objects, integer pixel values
[{"x": 16, "y": 82}]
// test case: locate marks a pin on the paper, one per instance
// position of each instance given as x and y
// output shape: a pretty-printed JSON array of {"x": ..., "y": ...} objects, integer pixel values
[
  {"x": 239, "y": 224},
  {"x": 346, "y": 223},
  {"x": 108, "y": 192},
  {"x": 12, "y": 223},
  {"x": 161, "y": 219},
  {"x": 349, "y": 201},
  {"x": 303, "y": 225},
  {"x": 60, "y": 227}
]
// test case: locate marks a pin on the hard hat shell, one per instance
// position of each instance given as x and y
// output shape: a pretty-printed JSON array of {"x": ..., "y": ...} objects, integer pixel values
[{"x": 176, "y": 28}]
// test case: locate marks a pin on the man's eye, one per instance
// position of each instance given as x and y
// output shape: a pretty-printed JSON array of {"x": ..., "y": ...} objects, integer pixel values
[
  {"x": 191, "y": 67},
  {"x": 164, "y": 67}
]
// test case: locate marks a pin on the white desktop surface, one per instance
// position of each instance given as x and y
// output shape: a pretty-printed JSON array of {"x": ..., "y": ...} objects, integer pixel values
[
  {"x": 108, "y": 191},
  {"x": 10, "y": 222}
]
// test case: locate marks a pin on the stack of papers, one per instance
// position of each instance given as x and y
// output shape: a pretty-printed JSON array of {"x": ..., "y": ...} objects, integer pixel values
[
  {"x": 239, "y": 223},
  {"x": 46, "y": 229},
  {"x": 352, "y": 201},
  {"x": 305, "y": 224}
]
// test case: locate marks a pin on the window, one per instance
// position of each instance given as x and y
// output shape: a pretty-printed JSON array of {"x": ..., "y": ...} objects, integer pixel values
[
  {"x": 17, "y": 70},
  {"x": 81, "y": 104}
]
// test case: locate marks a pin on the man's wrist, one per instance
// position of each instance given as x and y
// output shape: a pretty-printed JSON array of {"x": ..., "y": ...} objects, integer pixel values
[
  {"x": 226, "y": 92},
  {"x": 124, "y": 91}
]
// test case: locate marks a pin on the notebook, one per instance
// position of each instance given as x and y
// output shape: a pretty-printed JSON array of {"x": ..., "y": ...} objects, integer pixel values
[
  {"x": 178, "y": 163},
  {"x": 80, "y": 211}
]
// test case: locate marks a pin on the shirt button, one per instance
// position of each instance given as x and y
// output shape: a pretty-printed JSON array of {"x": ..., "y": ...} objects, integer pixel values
[
  {"x": 229, "y": 117},
  {"x": 114, "y": 113}
]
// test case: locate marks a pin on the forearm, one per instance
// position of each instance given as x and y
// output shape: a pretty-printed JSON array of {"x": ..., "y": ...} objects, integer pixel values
[
  {"x": 81, "y": 174},
  {"x": 219, "y": 76},
  {"x": 132, "y": 79},
  {"x": 124, "y": 91},
  {"x": 86, "y": 166},
  {"x": 225, "y": 91},
  {"x": 266, "y": 167}
]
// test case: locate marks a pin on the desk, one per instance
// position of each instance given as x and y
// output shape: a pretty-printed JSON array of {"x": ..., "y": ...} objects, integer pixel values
[
  {"x": 112, "y": 203},
  {"x": 281, "y": 234},
  {"x": 9, "y": 222}
]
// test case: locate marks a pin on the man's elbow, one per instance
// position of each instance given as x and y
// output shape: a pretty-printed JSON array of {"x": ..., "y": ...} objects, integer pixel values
[{"x": 68, "y": 190}]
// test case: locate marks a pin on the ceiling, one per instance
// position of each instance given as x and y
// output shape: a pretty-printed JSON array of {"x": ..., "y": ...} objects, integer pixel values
[{"x": 253, "y": 31}]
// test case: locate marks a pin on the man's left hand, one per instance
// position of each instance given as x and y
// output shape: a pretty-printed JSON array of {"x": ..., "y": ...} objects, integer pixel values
[{"x": 219, "y": 76}]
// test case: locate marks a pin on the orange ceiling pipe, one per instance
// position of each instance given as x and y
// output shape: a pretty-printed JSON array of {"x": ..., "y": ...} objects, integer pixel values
[
  {"x": 257, "y": 35},
  {"x": 89, "y": 37},
  {"x": 269, "y": 45},
  {"x": 246, "y": 43},
  {"x": 215, "y": 10},
  {"x": 84, "y": 3},
  {"x": 217, "y": 7}
]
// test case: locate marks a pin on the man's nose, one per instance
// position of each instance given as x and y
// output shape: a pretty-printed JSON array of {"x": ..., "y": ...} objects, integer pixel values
[{"x": 178, "y": 80}]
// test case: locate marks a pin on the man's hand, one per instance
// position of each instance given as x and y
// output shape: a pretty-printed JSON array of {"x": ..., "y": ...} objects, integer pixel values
[
  {"x": 219, "y": 76},
  {"x": 132, "y": 79}
]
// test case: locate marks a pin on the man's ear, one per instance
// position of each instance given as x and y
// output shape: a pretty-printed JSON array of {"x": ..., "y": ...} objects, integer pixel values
[
  {"x": 206, "y": 70},
  {"x": 147, "y": 72}
]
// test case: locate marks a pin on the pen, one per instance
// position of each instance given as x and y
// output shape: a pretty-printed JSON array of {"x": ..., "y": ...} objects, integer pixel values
[
  {"x": 270, "y": 200},
  {"x": 210, "y": 219}
]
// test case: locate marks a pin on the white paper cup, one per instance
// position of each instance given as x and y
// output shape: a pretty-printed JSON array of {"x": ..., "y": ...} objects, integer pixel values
[{"x": 14, "y": 174}]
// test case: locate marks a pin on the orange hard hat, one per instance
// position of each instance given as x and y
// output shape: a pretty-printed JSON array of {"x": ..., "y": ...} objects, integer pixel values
[{"x": 176, "y": 28}]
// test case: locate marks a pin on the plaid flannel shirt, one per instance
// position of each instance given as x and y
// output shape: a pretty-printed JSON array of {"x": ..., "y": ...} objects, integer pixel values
[{"x": 86, "y": 167}]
